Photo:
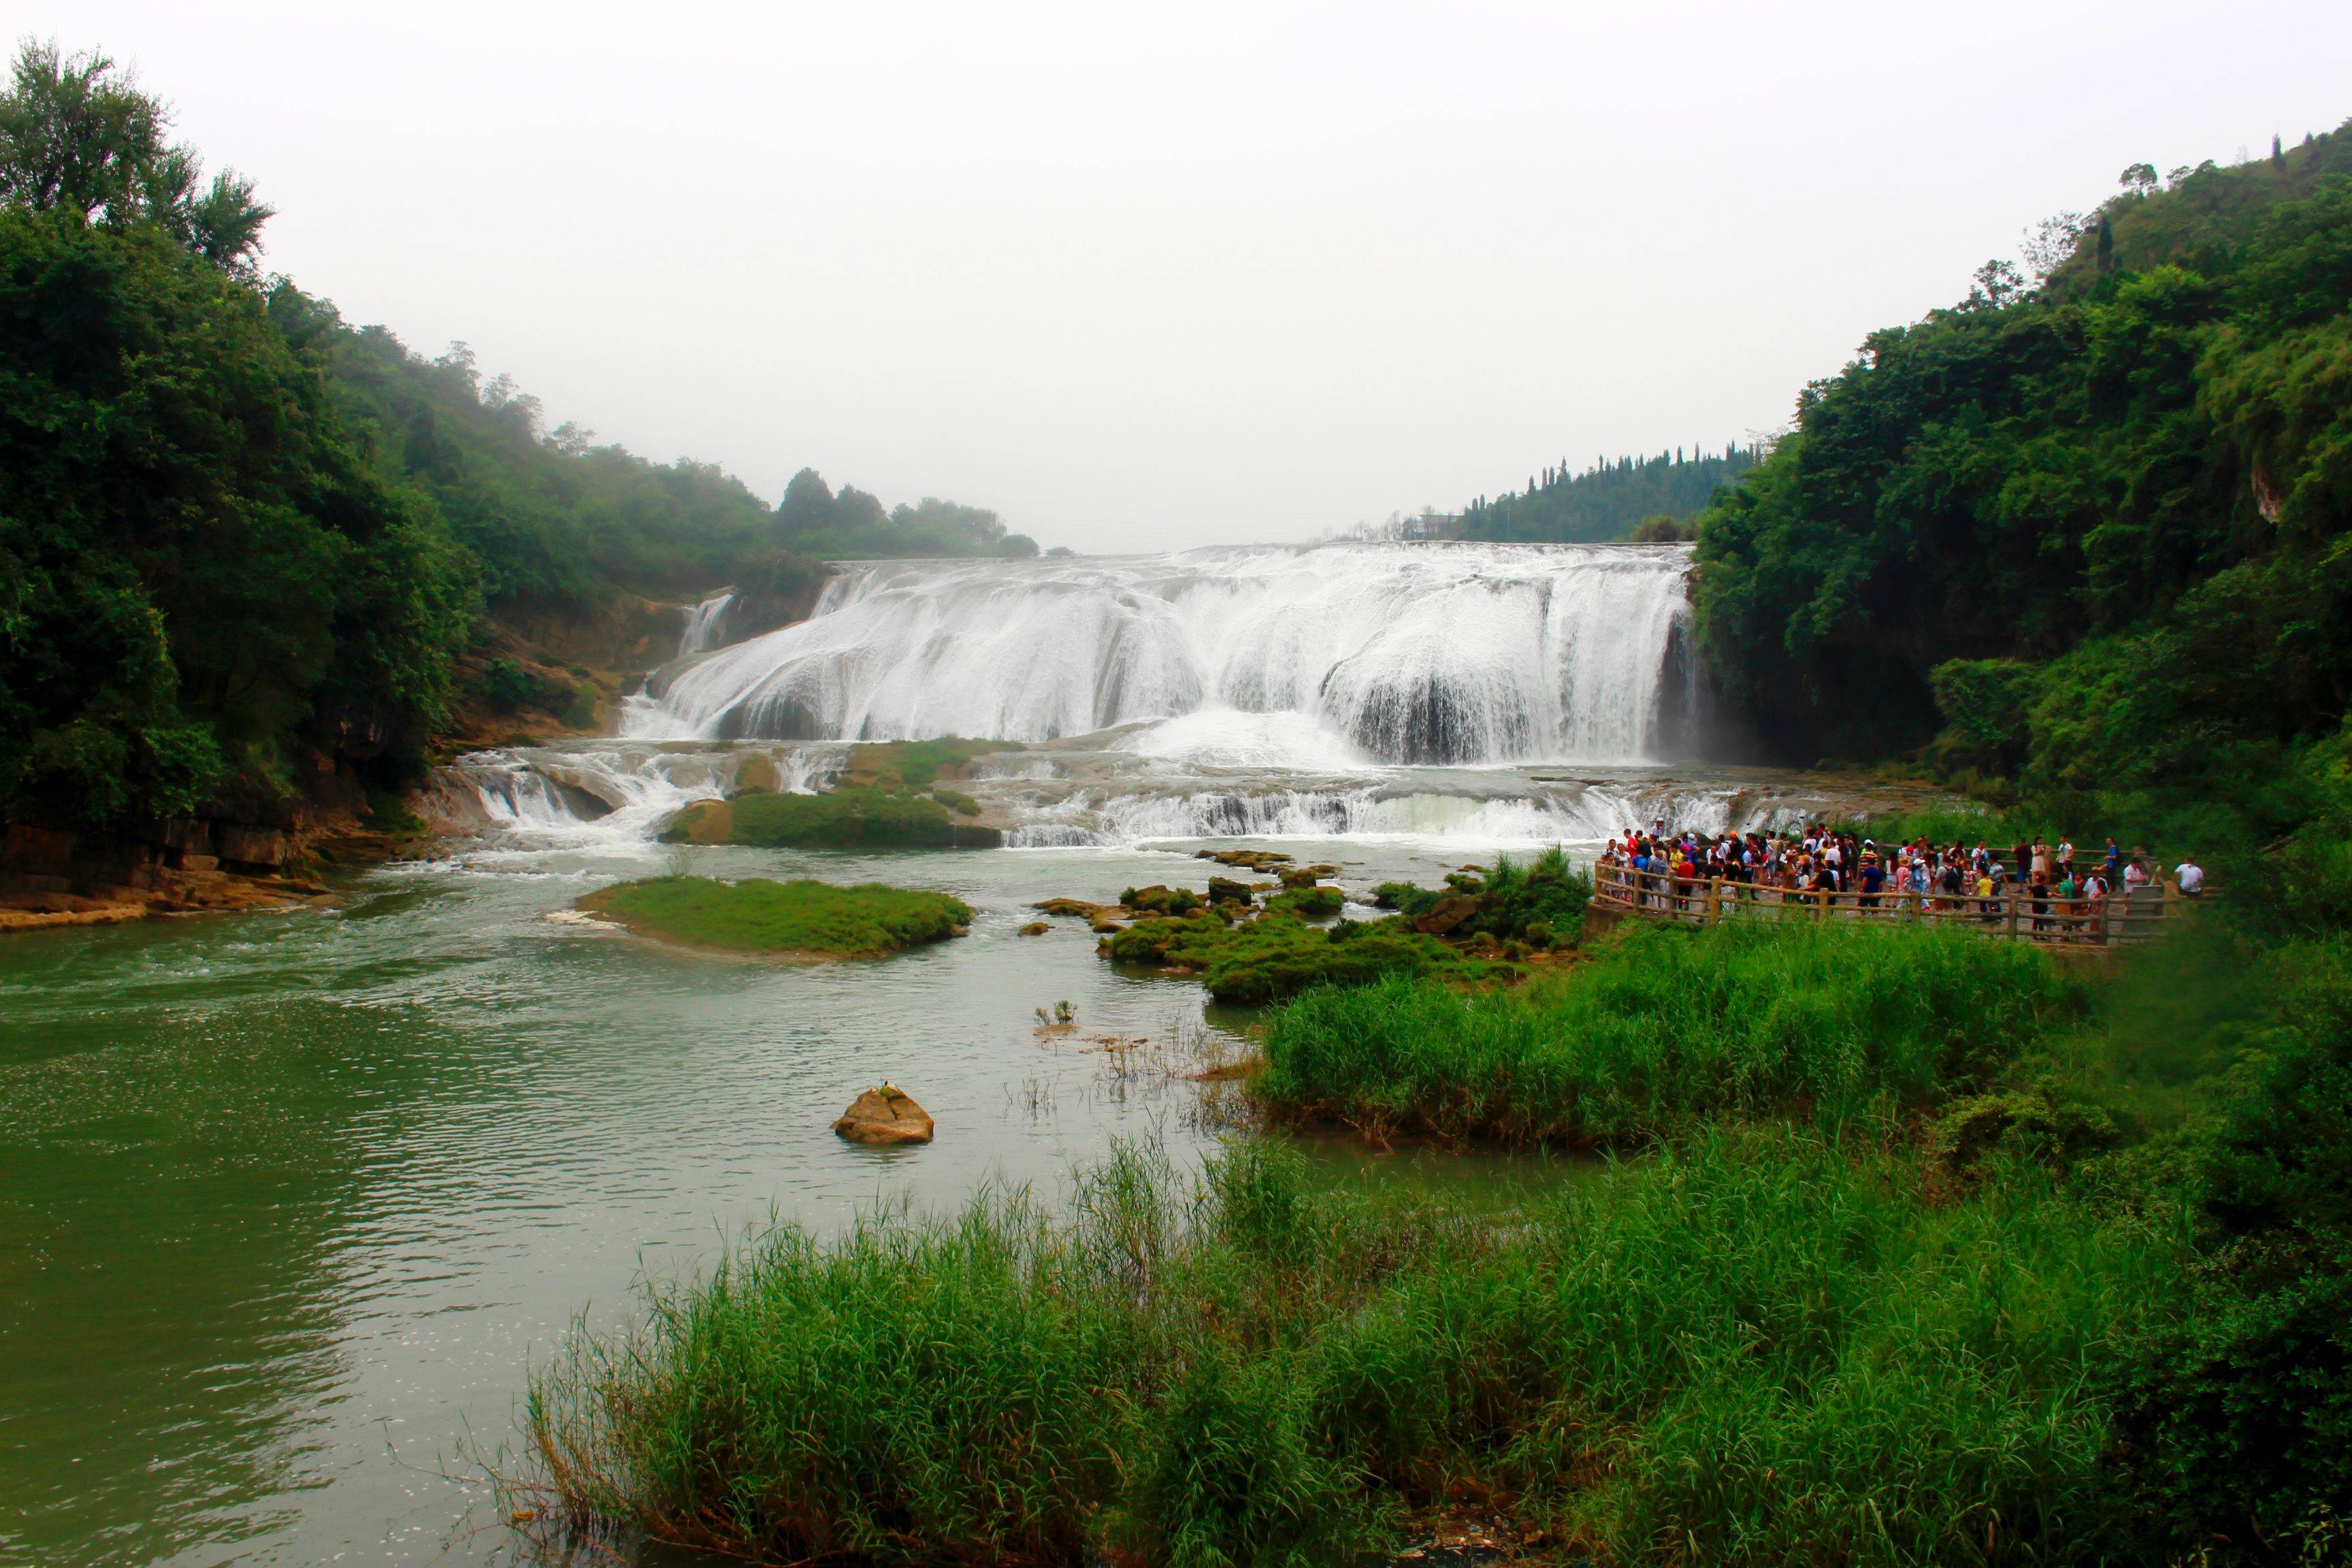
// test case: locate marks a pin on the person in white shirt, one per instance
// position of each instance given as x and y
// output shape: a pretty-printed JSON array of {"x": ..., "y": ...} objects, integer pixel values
[{"x": 2190, "y": 877}]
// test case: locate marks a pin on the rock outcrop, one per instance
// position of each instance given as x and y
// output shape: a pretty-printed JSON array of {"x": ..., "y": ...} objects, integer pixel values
[
  {"x": 886, "y": 1114},
  {"x": 1445, "y": 915}
]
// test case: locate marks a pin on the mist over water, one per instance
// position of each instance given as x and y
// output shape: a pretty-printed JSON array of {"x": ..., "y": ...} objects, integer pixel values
[{"x": 1365, "y": 654}]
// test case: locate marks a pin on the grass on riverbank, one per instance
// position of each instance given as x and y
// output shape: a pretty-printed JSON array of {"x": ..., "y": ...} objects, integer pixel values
[
  {"x": 1276, "y": 954},
  {"x": 756, "y": 915},
  {"x": 1756, "y": 1349},
  {"x": 1664, "y": 1028}
]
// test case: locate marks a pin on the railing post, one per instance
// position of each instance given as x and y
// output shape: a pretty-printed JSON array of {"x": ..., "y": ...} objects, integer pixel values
[
  {"x": 1713, "y": 899},
  {"x": 2012, "y": 911}
]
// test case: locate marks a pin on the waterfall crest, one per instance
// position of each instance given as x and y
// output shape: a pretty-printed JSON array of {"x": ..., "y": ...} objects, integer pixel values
[{"x": 1404, "y": 653}]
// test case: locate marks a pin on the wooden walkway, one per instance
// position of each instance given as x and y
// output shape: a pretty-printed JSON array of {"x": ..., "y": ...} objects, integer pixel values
[{"x": 2116, "y": 921}]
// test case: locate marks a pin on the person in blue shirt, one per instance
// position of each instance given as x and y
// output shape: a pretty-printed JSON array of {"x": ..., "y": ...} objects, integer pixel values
[{"x": 1874, "y": 878}]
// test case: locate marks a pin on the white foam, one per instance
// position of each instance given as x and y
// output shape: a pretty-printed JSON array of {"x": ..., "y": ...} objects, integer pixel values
[{"x": 1397, "y": 653}]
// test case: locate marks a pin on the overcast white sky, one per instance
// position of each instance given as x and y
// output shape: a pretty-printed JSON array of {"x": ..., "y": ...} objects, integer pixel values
[{"x": 1146, "y": 277}]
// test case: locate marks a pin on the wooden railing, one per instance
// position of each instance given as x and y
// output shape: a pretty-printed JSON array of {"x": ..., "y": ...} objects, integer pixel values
[{"x": 2012, "y": 911}]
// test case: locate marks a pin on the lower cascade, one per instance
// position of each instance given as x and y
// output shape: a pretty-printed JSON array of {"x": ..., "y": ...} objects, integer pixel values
[{"x": 1399, "y": 654}]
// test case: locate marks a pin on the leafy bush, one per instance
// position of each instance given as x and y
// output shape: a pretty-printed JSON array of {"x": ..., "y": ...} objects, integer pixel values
[{"x": 2241, "y": 1411}]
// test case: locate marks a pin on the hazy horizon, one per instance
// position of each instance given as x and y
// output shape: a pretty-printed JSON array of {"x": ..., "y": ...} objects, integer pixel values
[{"x": 1145, "y": 283}]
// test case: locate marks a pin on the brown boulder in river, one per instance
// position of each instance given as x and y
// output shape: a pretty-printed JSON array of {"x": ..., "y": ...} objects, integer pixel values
[{"x": 884, "y": 1115}]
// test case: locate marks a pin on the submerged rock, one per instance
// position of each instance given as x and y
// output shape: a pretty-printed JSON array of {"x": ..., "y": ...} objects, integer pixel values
[
  {"x": 1036, "y": 928},
  {"x": 886, "y": 1114}
]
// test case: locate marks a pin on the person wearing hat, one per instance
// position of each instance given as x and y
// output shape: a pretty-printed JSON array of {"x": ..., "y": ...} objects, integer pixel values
[{"x": 1874, "y": 878}]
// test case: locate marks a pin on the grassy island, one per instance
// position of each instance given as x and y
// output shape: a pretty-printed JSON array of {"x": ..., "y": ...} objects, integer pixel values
[
  {"x": 888, "y": 797},
  {"x": 799, "y": 918}
]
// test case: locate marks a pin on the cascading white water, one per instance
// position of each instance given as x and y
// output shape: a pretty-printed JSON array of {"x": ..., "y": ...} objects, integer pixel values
[
  {"x": 704, "y": 623},
  {"x": 1392, "y": 653}
]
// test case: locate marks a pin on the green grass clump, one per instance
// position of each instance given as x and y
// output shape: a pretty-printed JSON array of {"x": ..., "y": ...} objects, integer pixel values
[
  {"x": 1754, "y": 1351},
  {"x": 1254, "y": 962},
  {"x": 853, "y": 817},
  {"x": 1309, "y": 903},
  {"x": 1541, "y": 902},
  {"x": 801, "y": 917},
  {"x": 920, "y": 763},
  {"x": 1668, "y": 1026}
]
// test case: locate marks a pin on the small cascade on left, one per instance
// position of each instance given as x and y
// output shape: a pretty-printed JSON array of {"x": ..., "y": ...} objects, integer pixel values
[
  {"x": 706, "y": 624},
  {"x": 607, "y": 796}
]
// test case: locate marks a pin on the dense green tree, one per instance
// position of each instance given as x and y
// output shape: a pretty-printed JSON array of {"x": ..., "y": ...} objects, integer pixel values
[
  {"x": 203, "y": 573},
  {"x": 76, "y": 135}
]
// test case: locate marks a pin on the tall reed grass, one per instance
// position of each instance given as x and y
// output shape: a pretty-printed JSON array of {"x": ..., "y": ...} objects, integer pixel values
[
  {"x": 1666, "y": 1027},
  {"x": 1754, "y": 1348}
]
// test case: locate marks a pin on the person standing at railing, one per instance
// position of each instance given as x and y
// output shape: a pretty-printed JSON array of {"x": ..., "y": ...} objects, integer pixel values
[{"x": 1873, "y": 879}]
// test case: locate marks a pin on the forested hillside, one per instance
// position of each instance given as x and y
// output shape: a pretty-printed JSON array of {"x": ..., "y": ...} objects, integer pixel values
[
  {"x": 244, "y": 543},
  {"x": 2085, "y": 534},
  {"x": 1611, "y": 499}
]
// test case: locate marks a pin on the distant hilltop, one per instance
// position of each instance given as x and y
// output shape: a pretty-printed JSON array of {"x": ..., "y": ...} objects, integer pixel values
[{"x": 1651, "y": 499}]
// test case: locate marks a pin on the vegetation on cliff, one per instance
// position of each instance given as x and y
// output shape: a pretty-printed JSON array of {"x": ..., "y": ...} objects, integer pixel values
[{"x": 756, "y": 915}]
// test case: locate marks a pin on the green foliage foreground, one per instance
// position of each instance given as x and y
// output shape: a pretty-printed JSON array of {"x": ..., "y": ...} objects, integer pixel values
[
  {"x": 800, "y": 917},
  {"x": 1753, "y": 1350}
]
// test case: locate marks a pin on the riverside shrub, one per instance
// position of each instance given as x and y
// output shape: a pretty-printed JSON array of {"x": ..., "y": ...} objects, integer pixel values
[{"x": 1666, "y": 1027}]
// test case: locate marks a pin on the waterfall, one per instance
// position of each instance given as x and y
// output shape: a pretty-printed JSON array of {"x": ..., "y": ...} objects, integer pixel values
[
  {"x": 705, "y": 623},
  {"x": 1393, "y": 653}
]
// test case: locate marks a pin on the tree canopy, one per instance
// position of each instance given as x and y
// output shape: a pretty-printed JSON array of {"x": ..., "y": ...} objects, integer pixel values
[
  {"x": 812, "y": 520},
  {"x": 1611, "y": 499}
]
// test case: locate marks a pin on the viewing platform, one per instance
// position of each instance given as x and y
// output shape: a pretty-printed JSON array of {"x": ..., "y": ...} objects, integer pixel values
[{"x": 2116, "y": 921}]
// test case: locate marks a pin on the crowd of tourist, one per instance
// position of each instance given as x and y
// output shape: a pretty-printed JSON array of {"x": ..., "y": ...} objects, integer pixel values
[{"x": 2061, "y": 882}]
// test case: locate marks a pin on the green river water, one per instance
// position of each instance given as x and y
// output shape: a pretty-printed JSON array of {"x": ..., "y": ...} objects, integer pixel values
[{"x": 289, "y": 1203}]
